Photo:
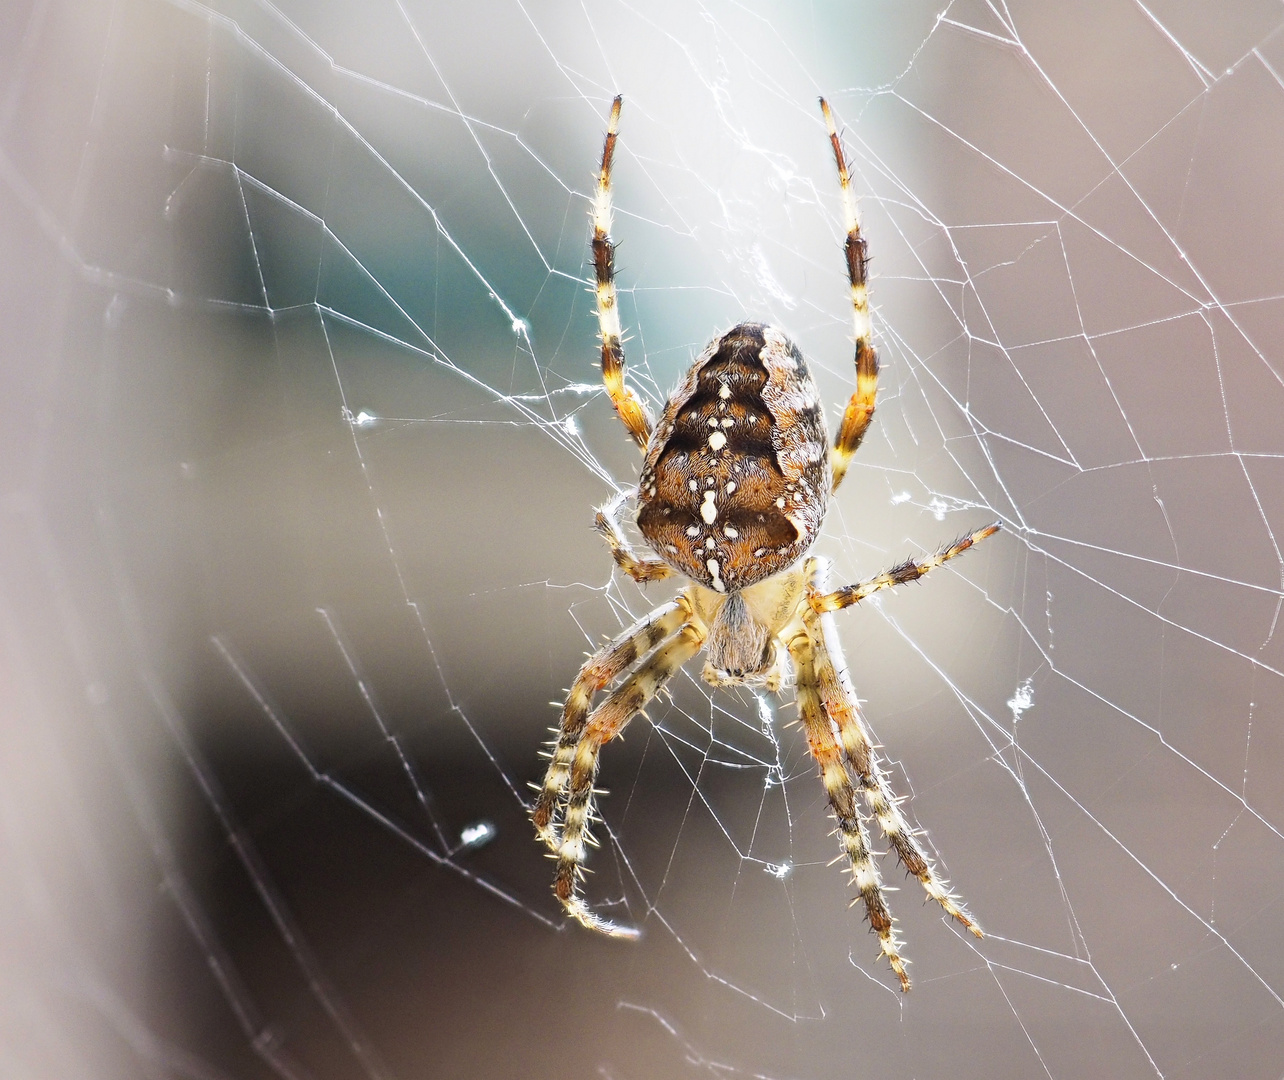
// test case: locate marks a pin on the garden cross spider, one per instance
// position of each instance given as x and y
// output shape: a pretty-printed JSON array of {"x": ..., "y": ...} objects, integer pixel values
[{"x": 734, "y": 487}]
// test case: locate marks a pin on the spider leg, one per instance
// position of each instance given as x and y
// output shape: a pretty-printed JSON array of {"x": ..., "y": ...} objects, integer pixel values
[
  {"x": 608, "y": 524},
  {"x": 839, "y": 698},
  {"x": 903, "y": 574},
  {"x": 860, "y": 409},
  {"x": 631, "y": 410},
  {"x": 607, "y": 721},
  {"x": 599, "y": 671},
  {"x": 843, "y": 800}
]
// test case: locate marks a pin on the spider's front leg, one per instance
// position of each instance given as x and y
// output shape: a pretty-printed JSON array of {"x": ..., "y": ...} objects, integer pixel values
[
  {"x": 575, "y": 758},
  {"x": 842, "y": 709},
  {"x": 598, "y": 672},
  {"x": 606, "y": 722},
  {"x": 843, "y": 801}
]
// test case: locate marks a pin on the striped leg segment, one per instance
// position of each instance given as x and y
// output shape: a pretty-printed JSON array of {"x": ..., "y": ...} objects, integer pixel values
[
  {"x": 607, "y": 721},
  {"x": 625, "y": 399},
  {"x": 909, "y": 570},
  {"x": 608, "y": 524},
  {"x": 860, "y": 410},
  {"x": 840, "y": 704},
  {"x": 598, "y": 672},
  {"x": 843, "y": 801}
]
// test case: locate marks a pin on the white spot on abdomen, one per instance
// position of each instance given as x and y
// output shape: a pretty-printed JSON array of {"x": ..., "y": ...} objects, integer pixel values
[
  {"x": 707, "y": 509},
  {"x": 717, "y": 441}
]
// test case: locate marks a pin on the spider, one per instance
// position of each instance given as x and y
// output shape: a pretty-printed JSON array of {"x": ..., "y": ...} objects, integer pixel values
[{"x": 735, "y": 482}]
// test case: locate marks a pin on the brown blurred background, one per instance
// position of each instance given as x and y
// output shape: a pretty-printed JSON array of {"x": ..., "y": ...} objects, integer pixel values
[{"x": 302, "y": 443}]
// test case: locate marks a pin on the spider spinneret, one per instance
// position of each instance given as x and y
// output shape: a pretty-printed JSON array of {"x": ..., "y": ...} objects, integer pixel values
[{"x": 737, "y": 476}]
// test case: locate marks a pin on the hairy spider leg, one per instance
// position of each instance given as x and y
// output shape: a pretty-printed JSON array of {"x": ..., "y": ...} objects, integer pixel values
[
  {"x": 860, "y": 409},
  {"x": 627, "y": 403},
  {"x": 841, "y": 706},
  {"x": 902, "y": 574},
  {"x": 607, "y": 523},
  {"x": 599, "y": 671},
  {"x": 843, "y": 801},
  {"x": 606, "y": 722}
]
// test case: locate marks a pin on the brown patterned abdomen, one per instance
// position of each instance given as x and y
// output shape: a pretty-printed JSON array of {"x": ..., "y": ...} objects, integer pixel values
[{"x": 737, "y": 479}]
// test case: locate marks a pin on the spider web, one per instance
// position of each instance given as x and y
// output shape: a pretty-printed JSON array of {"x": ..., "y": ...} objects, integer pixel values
[{"x": 303, "y": 442}]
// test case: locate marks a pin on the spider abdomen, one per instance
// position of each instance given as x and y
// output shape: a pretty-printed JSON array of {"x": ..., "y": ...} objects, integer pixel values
[{"x": 737, "y": 475}]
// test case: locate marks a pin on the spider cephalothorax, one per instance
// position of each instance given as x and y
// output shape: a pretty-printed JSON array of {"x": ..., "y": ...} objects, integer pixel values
[{"x": 734, "y": 487}]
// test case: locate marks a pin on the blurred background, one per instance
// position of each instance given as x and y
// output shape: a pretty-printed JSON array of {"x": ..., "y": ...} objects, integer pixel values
[{"x": 303, "y": 439}]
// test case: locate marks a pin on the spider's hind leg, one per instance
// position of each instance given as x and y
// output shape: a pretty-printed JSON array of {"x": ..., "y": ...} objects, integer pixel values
[
  {"x": 860, "y": 409},
  {"x": 628, "y": 404}
]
